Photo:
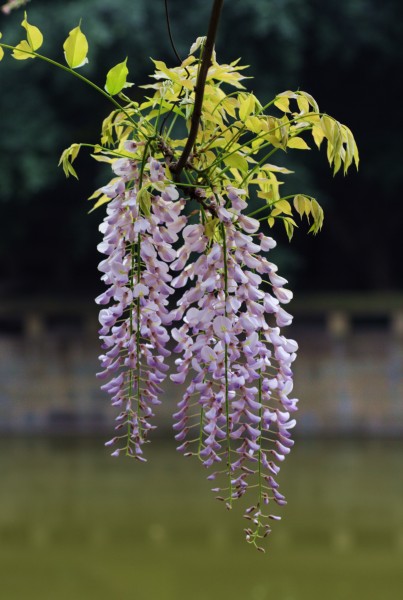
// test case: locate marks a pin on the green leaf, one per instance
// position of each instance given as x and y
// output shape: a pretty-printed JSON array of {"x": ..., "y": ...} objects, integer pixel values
[
  {"x": 22, "y": 51},
  {"x": 236, "y": 161},
  {"x": 34, "y": 36},
  {"x": 318, "y": 135},
  {"x": 67, "y": 158},
  {"x": 336, "y": 163},
  {"x": 303, "y": 104},
  {"x": 275, "y": 168},
  {"x": 302, "y": 205},
  {"x": 327, "y": 124},
  {"x": 310, "y": 99},
  {"x": 246, "y": 106},
  {"x": 254, "y": 124},
  {"x": 1, "y": 49},
  {"x": 210, "y": 227},
  {"x": 116, "y": 78},
  {"x": 289, "y": 225},
  {"x": 76, "y": 48},
  {"x": 283, "y": 206},
  {"x": 352, "y": 150},
  {"x": 102, "y": 200},
  {"x": 199, "y": 42},
  {"x": 318, "y": 216},
  {"x": 283, "y": 103},
  {"x": 297, "y": 143},
  {"x": 144, "y": 200}
]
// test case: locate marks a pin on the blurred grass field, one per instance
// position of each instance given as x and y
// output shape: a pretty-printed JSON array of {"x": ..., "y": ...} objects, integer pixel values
[{"x": 75, "y": 523}]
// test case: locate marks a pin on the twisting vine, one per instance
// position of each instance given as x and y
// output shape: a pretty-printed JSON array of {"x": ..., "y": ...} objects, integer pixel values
[{"x": 199, "y": 88}]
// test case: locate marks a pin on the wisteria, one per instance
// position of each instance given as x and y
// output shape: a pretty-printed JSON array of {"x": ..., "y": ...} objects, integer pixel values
[
  {"x": 235, "y": 413},
  {"x": 137, "y": 239},
  {"x": 187, "y": 263}
]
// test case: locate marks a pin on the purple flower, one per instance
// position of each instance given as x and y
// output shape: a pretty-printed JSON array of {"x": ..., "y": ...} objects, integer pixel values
[
  {"x": 133, "y": 331},
  {"x": 222, "y": 327},
  {"x": 239, "y": 362},
  {"x": 233, "y": 358}
]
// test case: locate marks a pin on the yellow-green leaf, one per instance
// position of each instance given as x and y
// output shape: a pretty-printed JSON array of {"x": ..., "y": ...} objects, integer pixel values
[
  {"x": 229, "y": 105},
  {"x": 282, "y": 206},
  {"x": 103, "y": 158},
  {"x": 170, "y": 73},
  {"x": 116, "y": 78},
  {"x": 352, "y": 150},
  {"x": 310, "y": 99},
  {"x": 317, "y": 213},
  {"x": 318, "y": 135},
  {"x": 199, "y": 42},
  {"x": 246, "y": 106},
  {"x": 336, "y": 163},
  {"x": 1, "y": 49},
  {"x": 275, "y": 168},
  {"x": 269, "y": 195},
  {"x": 210, "y": 227},
  {"x": 302, "y": 205},
  {"x": 102, "y": 200},
  {"x": 22, "y": 51},
  {"x": 285, "y": 206},
  {"x": 67, "y": 158},
  {"x": 144, "y": 200},
  {"x": 254, "y": 124},
  {"x": 297, "y": 143},
  {"x": 338, "y": 149},
  {"x": 76, "y": 48},
  {"x": 303, "y": 104},
  {"x": 289, "y": 225},
  {"x": 283, "y": 103},
  {"x": 327, "y": 124},
  {"x": 96, "y": 194},
  {"x": 299, "y": 205},
  {"x": 34, "y": 36},
  {"x": 236, "y": 161}
]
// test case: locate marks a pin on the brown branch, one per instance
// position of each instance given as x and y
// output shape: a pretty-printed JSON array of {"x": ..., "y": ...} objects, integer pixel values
[{"x": 199, "y": 89}]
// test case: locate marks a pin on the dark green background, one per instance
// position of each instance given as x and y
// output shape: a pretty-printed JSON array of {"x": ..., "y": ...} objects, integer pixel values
[{"x": 348, "y": 55}]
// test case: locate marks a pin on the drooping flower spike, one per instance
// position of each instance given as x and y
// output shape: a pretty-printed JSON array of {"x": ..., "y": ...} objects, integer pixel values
[
  {"x": 137, "y": 241},
  {"x": 236, "y": 412}
]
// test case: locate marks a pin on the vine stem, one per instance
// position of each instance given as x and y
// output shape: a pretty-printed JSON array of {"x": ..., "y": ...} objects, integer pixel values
[
  {"x": 200, "y": 86},
  {"x": 224, "y": 235},
  {"x": 136, "y": 268}
]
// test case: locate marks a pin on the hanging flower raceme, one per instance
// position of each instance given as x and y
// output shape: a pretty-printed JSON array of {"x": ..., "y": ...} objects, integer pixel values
[
  {"x": 236, "y": 412},
  {"x": 139, "y": 229}
]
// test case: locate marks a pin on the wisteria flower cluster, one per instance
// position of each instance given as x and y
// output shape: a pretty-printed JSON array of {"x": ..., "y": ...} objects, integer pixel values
[
  {"x": 186, "y": 260},
  {"x": 136, "y": 271},
  {"x": 235, "y": 412}
]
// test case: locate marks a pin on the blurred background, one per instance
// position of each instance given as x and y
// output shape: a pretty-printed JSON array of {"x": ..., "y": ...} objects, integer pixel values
[{"x": 75, "y": 522}]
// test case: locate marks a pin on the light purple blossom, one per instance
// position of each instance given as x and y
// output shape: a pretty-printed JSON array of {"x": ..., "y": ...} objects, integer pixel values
[
  {"x": 232, "y": 356},
  {"x": 230, "y": 342},
  {"x": 133, "y": 327}
]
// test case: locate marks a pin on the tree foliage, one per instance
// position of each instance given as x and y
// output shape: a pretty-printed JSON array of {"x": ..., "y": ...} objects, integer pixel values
[{"x": 302, "y": 45}]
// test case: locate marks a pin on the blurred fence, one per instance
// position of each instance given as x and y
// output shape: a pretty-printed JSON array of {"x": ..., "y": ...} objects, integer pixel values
[{"x": 349, "y": 372}]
